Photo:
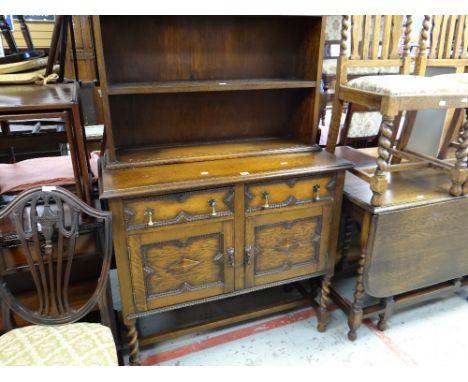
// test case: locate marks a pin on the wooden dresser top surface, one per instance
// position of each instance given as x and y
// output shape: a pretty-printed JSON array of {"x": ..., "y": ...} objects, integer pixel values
[
  {"x": 37, "y": 97},
  {"x": 405, "y": 189},
  {"x": 138, "y": 181}
]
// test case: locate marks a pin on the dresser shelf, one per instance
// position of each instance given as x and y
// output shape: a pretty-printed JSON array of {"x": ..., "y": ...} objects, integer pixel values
[
  {"x": 207, "y": 86},
  {"x": 168, "y": 154}
]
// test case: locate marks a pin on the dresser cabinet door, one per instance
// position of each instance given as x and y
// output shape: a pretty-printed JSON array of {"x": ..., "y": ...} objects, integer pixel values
[
  {"x": 172, "y": 265},
  {"x": 284, "y": 245}
]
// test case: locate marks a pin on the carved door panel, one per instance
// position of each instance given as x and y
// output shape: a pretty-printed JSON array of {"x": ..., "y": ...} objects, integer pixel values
[
  {"x": 284, "y": 245},
  {"x": 174, "y": 265}
]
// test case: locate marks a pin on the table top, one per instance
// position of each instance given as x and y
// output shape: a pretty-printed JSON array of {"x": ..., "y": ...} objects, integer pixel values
[
  {"x": 406, "y": 189},
  {"x": 15, "y": 98},
  {"x": 137, "y": 181}
]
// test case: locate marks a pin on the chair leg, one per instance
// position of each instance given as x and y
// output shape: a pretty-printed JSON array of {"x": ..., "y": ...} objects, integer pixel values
[
  {"x": 107, "y": 310},
  {"x": 323, "y": 313},
  {"x": 379, "y": 180},
  {"x": 132, "y": 334},
  {"x": 459, "y": 173},
  {"x": 323, "y": 112},
  {"x": 6, "y": 318},
  {"x": 335, "y": 123},
  {"x": 455, "y": 123}
]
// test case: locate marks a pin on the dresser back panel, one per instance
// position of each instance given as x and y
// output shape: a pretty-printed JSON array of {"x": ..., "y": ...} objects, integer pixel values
[
  {"x": 183, "y": 48},
  {"x": 153, "y": 119}
]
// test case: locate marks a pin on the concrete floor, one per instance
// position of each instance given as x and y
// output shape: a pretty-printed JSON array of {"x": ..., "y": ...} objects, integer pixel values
[{"x": 431, "y": 334}]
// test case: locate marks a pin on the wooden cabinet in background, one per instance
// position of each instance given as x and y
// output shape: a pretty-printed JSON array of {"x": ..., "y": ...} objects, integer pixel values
[{"x": 212, "y": 170}]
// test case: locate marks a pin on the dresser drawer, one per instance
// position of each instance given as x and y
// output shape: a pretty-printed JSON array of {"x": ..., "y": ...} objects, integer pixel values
[
  {"x": 288, "y": 192},
  {"x": 182, "y": 207}
]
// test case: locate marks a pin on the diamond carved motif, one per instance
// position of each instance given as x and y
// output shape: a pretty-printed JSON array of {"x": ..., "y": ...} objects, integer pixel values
[
  {"x": 287, "y": 245},
  {"x": 183, "y": 265}
]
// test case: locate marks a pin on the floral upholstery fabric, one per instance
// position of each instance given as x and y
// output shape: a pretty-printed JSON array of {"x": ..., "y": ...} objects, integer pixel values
[
  {"x": 462, "y": 78},
  {"x": 407, "y": 85},
  {"x": 333, "y": 27},
  {"x": 364, "y": 124},
  {"x": 329, "y": 67},
  {"x": 79, "y": 344}
]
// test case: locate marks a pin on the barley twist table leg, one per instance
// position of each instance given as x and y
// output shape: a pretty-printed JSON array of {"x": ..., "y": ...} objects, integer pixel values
[
  {"x": 132, "y": 334},
  {"x": 323, "y": 313},
  {"x": 355, "y": 316}
]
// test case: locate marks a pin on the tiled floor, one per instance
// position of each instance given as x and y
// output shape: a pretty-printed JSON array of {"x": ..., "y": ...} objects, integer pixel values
[{"x": 431, "y": 334}]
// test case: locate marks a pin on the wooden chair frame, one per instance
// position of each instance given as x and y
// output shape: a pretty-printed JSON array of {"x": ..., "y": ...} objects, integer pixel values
[
  {"x": 440, "y": 53},
  {"x": 49, "y": 261}
]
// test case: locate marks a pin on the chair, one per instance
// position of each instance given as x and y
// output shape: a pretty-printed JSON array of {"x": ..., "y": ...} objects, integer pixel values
[
  {"x": 48, "y": 221},
  {"x": 392, "y": 95},
  {"x": 330, "y": 63},
  {"x": 416, "y": 255},
  {"x": 448, "y": 49}
]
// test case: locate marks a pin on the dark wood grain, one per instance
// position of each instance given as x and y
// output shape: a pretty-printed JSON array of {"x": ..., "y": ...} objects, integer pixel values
[
  {"x": 178, "y": 48},
  {"x": 198, "y": 107},
  {"x": 144, "y": 120},
  {"x": 429, "y": 250},
  {"x": 47, "y": 246},
  {"x": 207, "y": 86},
  {"x": 14, "y": 98},
  {"x": 162, "y": 179}
]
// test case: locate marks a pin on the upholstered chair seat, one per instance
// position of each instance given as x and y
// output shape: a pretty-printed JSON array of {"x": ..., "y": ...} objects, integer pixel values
[
  {"x": 408, "y": 85},
  {"x": 461, "y": 78},
  {"x": 78, "y": 344}
]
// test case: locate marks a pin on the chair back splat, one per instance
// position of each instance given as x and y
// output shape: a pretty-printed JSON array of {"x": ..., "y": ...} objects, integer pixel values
[
  {"x": 374, "y": 42},
  {"x": 370, "y": 42},
  {"x": 48, "y": 221}
]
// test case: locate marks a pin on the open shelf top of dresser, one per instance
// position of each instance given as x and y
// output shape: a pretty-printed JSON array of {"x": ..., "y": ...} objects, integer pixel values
[{"x": 192, "y": 88}]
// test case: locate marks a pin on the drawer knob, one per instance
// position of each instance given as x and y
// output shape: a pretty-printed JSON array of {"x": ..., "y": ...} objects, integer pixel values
[
  {"x": 231, "y": 257},
  {"x": 266, "y": 196},
  {"x": 212, "y": 204},
  {"x": 149, "y": 212},
  {"x": 316, "y": 190}
]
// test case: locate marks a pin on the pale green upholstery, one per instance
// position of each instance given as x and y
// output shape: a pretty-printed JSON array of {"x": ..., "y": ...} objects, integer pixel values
[
  {"x": 408, "y": 85},
  {"x": 329, "y": 68},
  {"x": 333, "y": 27},
  {"x": 461, "y": 78},
  {"x": 78, "y": 344},
  {"x": 364, "y": 124}
]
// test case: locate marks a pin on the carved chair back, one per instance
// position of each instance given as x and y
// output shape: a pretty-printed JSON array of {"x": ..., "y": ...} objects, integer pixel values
[
  {"x": 47, "y": 222},
  {"x": 374, "y": 41},
  {"x": 443, "y": 42}
]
